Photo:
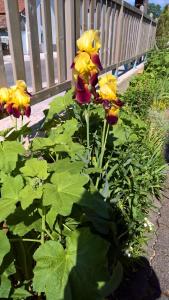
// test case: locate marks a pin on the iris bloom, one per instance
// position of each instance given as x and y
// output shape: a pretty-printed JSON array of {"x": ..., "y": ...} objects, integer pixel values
[
  {"x": 19, "y": 103},
  {"x": 89, "y": 43},
  {"x": 83, "y": 64},
  {"x": 5, "y": 96}
]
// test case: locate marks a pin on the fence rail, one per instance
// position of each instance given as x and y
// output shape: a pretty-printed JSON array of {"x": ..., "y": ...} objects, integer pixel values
[{"x": 126, "y": 34}]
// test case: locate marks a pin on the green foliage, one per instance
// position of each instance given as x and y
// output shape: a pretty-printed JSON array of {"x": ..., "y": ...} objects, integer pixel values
[
  {"x": 140, "y": 93},
  {"x": 70, "y": 212},
  {"x": 163, "y": 29},
  {"x": 154, "y": 9},
  {"x": 151, "y": 87}
]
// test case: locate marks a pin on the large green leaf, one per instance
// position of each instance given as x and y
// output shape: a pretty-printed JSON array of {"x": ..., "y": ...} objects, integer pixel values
[
  {"x": 61, "y": 135},
  {"x": 5, "y": 245},
  {"x": 5, "y": 283},
  {"x": 28, "y": 194},
  {"x": 59, "y": 105},
  {"x": 65, "y": 190},
  {"x": 65, "y": 165},
  {"x": 35, "y": 168},
  {"x": 10, "y": 195},
  {"x": 5, "y": 286},
  {"x": 7, "y": 208},
  {"x": 9, "y": 155},
  {"x": 74, "y": 272},
  {"x": 11, "y": 187}
]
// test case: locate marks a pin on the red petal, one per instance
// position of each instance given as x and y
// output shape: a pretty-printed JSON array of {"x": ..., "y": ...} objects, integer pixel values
[
  {"x": 111, "y": 119},
  {"x": 96, "y": 60},
  {"x": 80, "y": 85},
  {"x": 94, "y": 79},
  {"x": 16, "y": 112},
  {"x": 83, "y": 97},
  {"x": 119, "y": 103},
  {"x": 9, "y": 108},
  {"x": 27, "y": 111}
]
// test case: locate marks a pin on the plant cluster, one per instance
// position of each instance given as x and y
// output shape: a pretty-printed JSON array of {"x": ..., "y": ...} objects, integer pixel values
[{"x": 74, "y": 205}]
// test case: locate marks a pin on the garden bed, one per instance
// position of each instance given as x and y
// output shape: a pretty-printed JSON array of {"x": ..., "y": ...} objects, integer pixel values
[{"x": 75, "y": 204}]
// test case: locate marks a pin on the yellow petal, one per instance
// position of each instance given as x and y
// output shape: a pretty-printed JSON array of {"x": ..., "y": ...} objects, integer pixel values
[
  {"x": 21, "y": 84},
  {"x": 20, "y": 98},
  {"x": 5, "y": 94},
  {"x": 83, "y": 63},
  {"x": 114, "y": 111},
  {"x": 89, "y": 41},
  {"x": 107, "y": 93},
  {"x": 109, "y": 80}
]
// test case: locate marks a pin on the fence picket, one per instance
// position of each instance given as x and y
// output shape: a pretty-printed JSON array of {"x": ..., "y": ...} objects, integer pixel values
[
  {"x": 15, "y": 40},
  {"x": 3, "y": 81},
  {"x": 70, "y": 35},
  {"x": 60, "y": 39},
  {"x": 31, "y": 15},
  {"x": 85, "y": 6},
  {"x": 46, "y": 18}
]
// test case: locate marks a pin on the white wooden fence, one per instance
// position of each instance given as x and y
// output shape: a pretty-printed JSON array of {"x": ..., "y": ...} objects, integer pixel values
[{"x": 126, "y": 34}]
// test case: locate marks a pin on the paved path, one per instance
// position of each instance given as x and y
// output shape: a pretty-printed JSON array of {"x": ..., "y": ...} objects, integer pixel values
[{"x": 160, "y": 260}]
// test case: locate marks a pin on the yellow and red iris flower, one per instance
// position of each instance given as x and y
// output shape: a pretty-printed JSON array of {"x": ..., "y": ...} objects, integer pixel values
[
  {"x": 15, "y": 100},
  {"x": 86, "y": 66},
  {"x": 108, "y": 97},
  {"x": 90, "y": 43}
]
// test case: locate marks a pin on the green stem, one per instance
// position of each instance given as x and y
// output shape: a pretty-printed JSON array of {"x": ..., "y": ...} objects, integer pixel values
[
  {"x": 25, "y": 240},
  {"x": 103, "y": 148},
  {"x": 102, "y": 144},
  {"x": 43, "y": 225},
  {"x": 16, "y": 124},
  {"x": 87, "y": 132},
  {"x": 21, "y": 127},
  {"x": 48, "y": 233}
]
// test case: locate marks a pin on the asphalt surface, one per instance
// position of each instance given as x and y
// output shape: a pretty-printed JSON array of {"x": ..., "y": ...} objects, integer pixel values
[{"x": 160, "y": 262}]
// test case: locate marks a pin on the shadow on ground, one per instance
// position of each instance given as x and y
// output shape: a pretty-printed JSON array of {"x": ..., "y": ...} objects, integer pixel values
[{"x": 139, "y": 284}]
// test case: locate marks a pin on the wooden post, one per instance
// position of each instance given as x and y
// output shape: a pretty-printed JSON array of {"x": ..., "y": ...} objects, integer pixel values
[
  {"x": 46, "y": 17},
  {"x": 149, "y": 32},
  {"x": 91, "y": 15},
  {"x": 3, "y": 81},
  {"x": 107, "y": 24},
  {"x": 139, "y": 34},
  {"x": 85, "y": 6},
  {"x": 60, "y": 39},
  {"x": 70, "y": 35},
  {"x": 15, "y": 39},
  {"x": 77, "y": 19},
  {"x": 31, "y": 15},
  {"x": 119, "y": 34},
  {"x": 98, "y": 14}
]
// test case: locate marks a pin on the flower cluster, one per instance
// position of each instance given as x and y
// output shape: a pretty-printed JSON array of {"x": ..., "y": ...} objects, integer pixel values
[
  {"x": 86, "y": 67},
  {"x": 15, "y": 100}
]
